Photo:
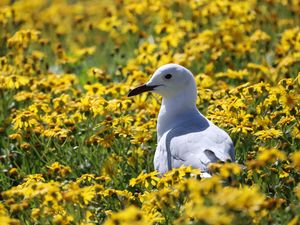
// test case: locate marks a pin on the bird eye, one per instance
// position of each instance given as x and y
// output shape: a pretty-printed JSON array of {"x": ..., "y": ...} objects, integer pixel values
[{"x": 168, "y": 76}]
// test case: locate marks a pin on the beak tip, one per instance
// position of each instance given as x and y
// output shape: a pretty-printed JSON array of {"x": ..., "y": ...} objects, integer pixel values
[{"x": 129, "y": 94}]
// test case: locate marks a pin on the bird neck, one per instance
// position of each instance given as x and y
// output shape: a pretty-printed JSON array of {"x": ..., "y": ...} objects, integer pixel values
[{"x": 176, "y": 110}]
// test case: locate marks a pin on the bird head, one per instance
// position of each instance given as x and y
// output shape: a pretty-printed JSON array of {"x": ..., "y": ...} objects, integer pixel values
[{"x": 168, "y": 81}]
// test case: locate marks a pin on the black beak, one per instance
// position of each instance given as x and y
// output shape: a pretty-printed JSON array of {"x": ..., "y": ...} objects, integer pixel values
[{"x": 141, "y": 89}]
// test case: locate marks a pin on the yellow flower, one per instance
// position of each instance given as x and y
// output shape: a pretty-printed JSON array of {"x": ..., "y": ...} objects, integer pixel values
[
  {"x": 15, "y": 136},
  {"x": 124, "y": 196},
  {"x": 268, "y": 134},
  {"x": 294, "y": 221},
  {"x": 246, "y": 199},
  {"x": 240, "y": 74},
  {"x": 270, "y": 155},
  {"x": 62, "y": 219},
  {"x": 290, "y": 99},
  {"x": 129, "y": 216},
  {"x": 85, "y": 177},
  {"x": 35, "y": 213},
  {"x": 296, "y": 160},
  {"x": 177, "y": 175},
  {"x": 84, "y": 51},
  {"x": 6, "y": 220},
  {"x": 87, "y": 194},
  {"x": 145, "y": 179},
  {"x": 259, "y": 35},
  {"x": 13, "y": 171},
  {"x": 25, "y": 146},
  {"x": 61, "y": 133},
  {"x": 38, "y": 108},
  {"x": 25, "y": 119},
  {"x": 22, "y": 38},
  {"x": 95, "y": 89},
  {"x": 296, "y": 132},
  {"x": 227, "y": 169},
  {"x": 204, "y": 214},
  {"x": 16, "y": 81},
  {"x": 57, "y": 168},
  {"x": 99, "y": 74}
]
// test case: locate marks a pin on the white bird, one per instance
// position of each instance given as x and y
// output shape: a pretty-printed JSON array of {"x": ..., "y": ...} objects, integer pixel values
[{"x": 184, "y": 135}]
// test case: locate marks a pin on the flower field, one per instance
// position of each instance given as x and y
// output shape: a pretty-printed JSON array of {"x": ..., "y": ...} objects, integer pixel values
[{"x": 74, "y": 149}]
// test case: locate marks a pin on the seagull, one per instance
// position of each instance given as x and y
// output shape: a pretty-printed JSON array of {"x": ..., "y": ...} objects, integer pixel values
[{"x": 184, "y": 136}]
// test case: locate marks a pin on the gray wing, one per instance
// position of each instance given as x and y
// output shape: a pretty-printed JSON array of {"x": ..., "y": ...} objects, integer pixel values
[{"x": 191, "y": 145}]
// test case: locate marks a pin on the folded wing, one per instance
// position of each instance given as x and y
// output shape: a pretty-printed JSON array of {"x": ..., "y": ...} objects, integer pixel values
[{"x": 191, "y": 145}]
